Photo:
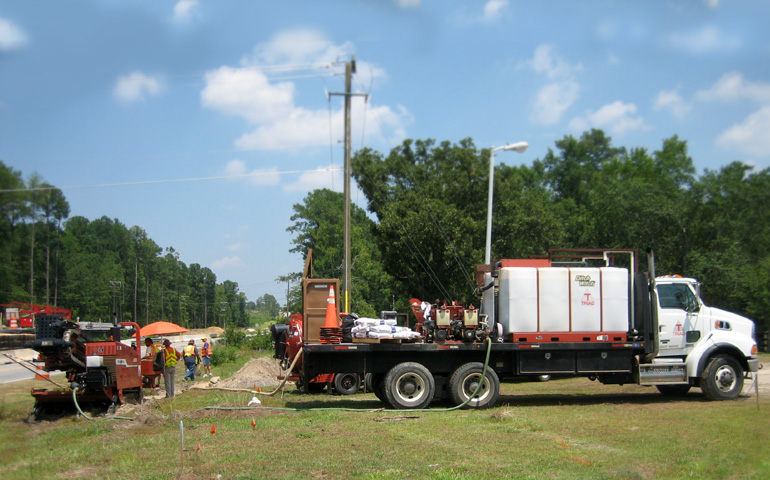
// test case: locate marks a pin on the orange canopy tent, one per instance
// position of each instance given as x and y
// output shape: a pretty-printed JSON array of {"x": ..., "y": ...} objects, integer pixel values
[{"x": 161, "y": 328}]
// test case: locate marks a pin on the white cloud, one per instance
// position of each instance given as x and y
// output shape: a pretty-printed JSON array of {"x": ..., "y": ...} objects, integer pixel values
[
  {"x": 226, "y": 262},
  {"x": 247, "y": 93},
  {"x": 705, "y": 39},
  {"x": 322, "y": 177},
  {"x": 493, "y": 9},
  {"x": 256, "y": 176},
  {"x": 617, "y": 117},
  {"x": 711, "y": 3},
  {"x": 408, "y": 3},
  {"x": 300, "y": 46},
  {"x": 237, "y": 247},
  {"x": 732, "y": 86},
  {"x": 750, "y": 136},
  {"x": 11, "y": 36},
  {"x": 183, "y": 9},
  {"x": 554, "y": 98},
  {"x": 135, "y": 87},
  {"x": 671, "y": 101}
]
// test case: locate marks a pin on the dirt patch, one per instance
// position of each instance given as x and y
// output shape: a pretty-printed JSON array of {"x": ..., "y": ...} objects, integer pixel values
[
  {"x": 257, "y": 372},
  {"x": 211, "y": 331}
]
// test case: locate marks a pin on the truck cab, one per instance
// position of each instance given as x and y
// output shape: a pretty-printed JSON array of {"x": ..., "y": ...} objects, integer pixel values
[{"x": 694, "y": 333}]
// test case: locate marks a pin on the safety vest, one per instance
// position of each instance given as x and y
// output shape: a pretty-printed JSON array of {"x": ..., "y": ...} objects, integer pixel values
[
  {"x": 170, "y": 357},
  {"x": 206, "y": 350},
  {"x": 189, "y": 350}
]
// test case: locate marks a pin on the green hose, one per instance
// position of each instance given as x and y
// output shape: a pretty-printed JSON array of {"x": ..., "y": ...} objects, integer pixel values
[
  {"x": 77, "y": 405},
  {"x": 372, "y": 410}
]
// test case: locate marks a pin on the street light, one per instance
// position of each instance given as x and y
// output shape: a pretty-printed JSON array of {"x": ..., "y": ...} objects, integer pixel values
[{"x": 520, "y": 147}]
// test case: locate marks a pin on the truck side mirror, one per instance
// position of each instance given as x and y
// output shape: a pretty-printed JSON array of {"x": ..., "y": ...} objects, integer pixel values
[{"x": 692, "y": 336}]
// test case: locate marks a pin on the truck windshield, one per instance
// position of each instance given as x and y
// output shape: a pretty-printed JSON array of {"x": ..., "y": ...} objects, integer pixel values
[{"x": 676, "y": 296}]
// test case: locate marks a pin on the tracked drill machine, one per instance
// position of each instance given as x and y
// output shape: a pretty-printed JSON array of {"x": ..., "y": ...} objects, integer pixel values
[{"x": 98, "y": 367}]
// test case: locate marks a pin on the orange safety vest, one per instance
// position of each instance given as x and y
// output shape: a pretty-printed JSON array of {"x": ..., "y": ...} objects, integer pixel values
[
  {"x": 170, "y": 357},
  {"x": 153, "y": 350},
  {"x": 189, "y": 350},
  {"x": 206, "y": 350}
]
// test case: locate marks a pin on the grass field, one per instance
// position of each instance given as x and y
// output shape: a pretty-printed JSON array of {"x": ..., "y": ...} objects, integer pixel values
[{"x": 565, "y": 429}]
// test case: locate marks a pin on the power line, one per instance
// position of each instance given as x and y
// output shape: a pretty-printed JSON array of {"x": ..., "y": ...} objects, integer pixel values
[{"x": 178, "y": 180}]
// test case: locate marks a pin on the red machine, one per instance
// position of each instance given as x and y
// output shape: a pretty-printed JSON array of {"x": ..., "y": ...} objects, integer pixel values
[
  {"x": 22, "y": 315},
  {"x": 449, "y": 322},
  {"x": 288, "y": 340},
  {"x": 98, "y": 366}
]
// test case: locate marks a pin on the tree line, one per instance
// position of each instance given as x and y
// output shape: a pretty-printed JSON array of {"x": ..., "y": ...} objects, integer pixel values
[
  {"x": 424, "y": 227},
  {"x": 100, "y": 268}
]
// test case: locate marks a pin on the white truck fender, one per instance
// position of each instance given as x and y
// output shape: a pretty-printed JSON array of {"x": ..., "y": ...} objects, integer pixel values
[{"x": 698, "y": 358}]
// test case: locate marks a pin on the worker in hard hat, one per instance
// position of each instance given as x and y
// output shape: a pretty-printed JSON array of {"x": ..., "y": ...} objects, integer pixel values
[
  {"x": 191, "y": 359},
  {"x": 171, "y": 356},
  {"x": 206, "y": 357}
]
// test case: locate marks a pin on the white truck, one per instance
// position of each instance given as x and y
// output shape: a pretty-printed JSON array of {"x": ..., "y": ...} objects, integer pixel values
[{"x": 586, "y": 313}]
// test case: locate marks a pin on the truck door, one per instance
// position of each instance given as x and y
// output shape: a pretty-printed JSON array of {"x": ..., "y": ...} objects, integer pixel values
[{"x": 678, "y": 324}]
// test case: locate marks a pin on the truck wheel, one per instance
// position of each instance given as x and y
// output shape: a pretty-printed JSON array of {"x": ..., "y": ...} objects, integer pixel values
[
  {"x": 377, "y": 380},
  {"x": 464, "y": 382},
  {"x": 674, "y": 390},
  {"x": 347, "y": 383},
  {"x": 722, "y": 379},
  {"x": 409, "y": 385}
]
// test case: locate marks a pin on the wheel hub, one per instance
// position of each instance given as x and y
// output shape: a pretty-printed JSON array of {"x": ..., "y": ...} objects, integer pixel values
[{"x": 725, "y": 378}]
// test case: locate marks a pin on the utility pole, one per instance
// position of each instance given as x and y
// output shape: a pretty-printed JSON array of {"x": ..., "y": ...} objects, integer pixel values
[{"x": 350, "y": 69}]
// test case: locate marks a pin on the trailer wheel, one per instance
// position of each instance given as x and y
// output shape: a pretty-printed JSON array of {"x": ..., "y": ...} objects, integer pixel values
[
  {"x": 409, "y": 385},
  {"x": 347, "y": 383},
  {"x": 465, "y": 380},
  {"x": 679, "y": 390},
  {"x": 722, "y": 379}
]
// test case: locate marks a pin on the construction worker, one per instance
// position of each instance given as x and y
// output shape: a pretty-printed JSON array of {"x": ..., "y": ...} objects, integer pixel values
[
  {"x": 206, "y": 357},
  {"x": 151, "y": 349},
  {"x": 191, "y": 359},
  {"x": 171, "y": 356}
]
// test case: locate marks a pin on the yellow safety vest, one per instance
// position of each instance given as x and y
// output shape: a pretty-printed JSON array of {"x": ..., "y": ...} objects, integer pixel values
[
  {"x": 189, "y": 350},
  {"x": 170, "y": 357}
]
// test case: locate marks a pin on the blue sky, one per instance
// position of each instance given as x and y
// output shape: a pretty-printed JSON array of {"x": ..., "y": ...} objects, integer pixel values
[{"x": 204, "y": 121}]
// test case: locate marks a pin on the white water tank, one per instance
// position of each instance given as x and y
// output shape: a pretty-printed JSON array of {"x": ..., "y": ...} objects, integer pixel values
[{"x": 557, "y": 299}]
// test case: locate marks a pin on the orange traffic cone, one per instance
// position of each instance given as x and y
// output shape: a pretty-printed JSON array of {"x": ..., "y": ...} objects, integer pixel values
[
  {"x": 213, "y": 429},
  {"x": 332, "y": 319},
  {"x": 253, "y": 423}
]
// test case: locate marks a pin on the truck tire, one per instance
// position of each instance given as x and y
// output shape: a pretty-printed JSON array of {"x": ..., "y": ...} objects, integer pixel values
[
  {"x": 376, "y": 381},
  {"x": 464, "y": 382},
  {"x": 679, "y": 390},
  {"x": 347, "y": 383},
  {"x": 409, "y": 385},
  {"x": 722, "y": 379}
]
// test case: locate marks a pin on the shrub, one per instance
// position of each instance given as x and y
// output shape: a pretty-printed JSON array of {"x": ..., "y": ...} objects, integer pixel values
[
  {"x": 261, "y": 341},
  {"x": 234, "y": 338},
  {"x": 223, "y": 355}
]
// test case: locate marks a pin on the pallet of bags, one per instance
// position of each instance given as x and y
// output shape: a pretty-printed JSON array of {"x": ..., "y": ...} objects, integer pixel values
[{"x": 375, "y": 329}]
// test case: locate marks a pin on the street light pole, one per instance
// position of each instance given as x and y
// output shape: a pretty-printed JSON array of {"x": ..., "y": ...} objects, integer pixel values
[{"x": 519, "y": 147}]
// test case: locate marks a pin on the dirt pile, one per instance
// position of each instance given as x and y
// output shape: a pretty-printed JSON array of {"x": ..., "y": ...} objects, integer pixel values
[{"x": 262, "y": 372}]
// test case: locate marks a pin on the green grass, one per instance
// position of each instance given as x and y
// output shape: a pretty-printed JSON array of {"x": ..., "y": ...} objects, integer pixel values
[{"x": 566, "y": 429}]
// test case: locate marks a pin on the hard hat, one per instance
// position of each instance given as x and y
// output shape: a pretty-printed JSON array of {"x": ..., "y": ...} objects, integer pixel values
[{"x": 191, "y": 341}]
